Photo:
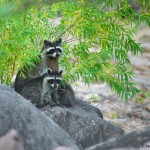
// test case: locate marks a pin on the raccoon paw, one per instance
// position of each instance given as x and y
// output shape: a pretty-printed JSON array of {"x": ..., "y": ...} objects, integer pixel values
[{"x": 42, "y": 105}]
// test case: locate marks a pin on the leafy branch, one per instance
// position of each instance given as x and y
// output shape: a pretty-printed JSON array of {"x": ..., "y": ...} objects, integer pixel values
[{"x": 98, "y": 36}]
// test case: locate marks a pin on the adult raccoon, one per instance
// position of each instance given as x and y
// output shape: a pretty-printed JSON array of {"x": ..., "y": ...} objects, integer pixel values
[{"x": 49, "y": 58}]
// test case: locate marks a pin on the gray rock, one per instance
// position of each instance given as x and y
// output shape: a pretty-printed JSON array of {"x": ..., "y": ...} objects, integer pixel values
[
  {"x": 38, "y": 131},
  {"x": 135, "y": 139},
  {"x": 63, "y": 148},
  {"x": 88, "y": 108},
  {"x": 85, "y": 126}
]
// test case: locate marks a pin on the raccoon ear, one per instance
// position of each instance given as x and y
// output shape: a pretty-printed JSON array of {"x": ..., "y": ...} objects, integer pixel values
[
  {"x": 46, "y": 43},
  {"x": 59, "y": 41},
  {"x": 60, "y": 72},
  {"x": 49, "y": 71}
]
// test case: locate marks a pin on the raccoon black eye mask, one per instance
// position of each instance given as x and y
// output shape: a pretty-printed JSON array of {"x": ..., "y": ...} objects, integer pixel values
[
  {"x": 52, "y": 50},
  {"x": 54, "y": 78},
  {"x": 52, "y": 81}
]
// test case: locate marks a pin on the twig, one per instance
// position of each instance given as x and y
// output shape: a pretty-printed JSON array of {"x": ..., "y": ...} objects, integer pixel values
[
  {"x": 25, "y": 14},
  {"x": 77, "y": 19},
  {"x": 70, "y": 40},
  {"x": 14, "y": 63}
]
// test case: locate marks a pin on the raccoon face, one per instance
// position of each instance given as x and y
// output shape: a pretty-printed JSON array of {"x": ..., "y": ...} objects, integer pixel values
[
  {"x": 52, "y": 49},
  {"x": 54, "y": 78}
]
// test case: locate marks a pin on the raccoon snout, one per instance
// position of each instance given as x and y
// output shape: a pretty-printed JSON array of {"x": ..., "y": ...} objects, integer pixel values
[{"x": 55, "y": 86}]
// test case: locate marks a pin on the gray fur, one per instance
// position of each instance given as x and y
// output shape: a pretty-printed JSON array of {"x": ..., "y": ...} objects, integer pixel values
[
  {"x": 36, "y": 72},
  {"x": 64, "y": 95},
  {"x": 46, "y": 61},
  {"x": 55, "y": 97},
  {"x": 38, "y": 91}
]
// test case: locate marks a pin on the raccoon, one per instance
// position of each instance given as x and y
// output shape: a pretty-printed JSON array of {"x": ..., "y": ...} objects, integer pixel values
[
  {"x": 52, "y": 81},
  {"x": 52, "y": 49},
  {"x": 55, "y": 82},
  {"x": 50, "y": 53},
  {"x": 64, "y": 95},
  {"x": 39, "y": 90}
]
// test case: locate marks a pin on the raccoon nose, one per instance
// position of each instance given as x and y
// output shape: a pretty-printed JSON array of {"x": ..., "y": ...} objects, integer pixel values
[
  {"x": 55, "y": 86},
  {"x": 57, "y": 55}
]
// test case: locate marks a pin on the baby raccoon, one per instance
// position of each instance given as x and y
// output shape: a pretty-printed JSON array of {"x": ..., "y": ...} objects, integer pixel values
[
  {"x": 54, "y": 80},
  {"x": 63, "y": 95},
  {"x": 39, "y": 90},
  {"x": 50, "y": 53},
  {"x": 66, "y": 95}
]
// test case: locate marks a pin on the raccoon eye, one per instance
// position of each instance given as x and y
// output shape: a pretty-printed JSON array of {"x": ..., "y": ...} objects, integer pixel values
[
  {"x": 51, "y": 81},
  {"x": 59, "y": 50},
  {"x": 51, "y": 51},
  {"x": 58, "y": 81}
]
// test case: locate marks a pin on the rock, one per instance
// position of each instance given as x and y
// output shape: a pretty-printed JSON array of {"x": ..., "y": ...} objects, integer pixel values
[
  {"x": 88, "y": 108},
  {"x": 63, "y": 148},
  {"x": 83, "y": 123},
  {"x": 85, "y": 126},
  {"x": 145, "y": 146},
  {"x": 135, "y": 139},
  {"x": 38, "y": 131},
  {"x": 14, "y": 141}
]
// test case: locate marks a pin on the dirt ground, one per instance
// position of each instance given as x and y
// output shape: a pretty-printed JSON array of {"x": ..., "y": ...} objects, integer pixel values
[{"x": 136, "y": 113}]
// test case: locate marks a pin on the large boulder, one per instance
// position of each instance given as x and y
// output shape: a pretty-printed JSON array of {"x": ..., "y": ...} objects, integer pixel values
[
  {"x": 38, "y": 131},
  {"x": 86, "y": 127},
  {"x": 139, "y": 139},
  {"x": 83, "y": 123}
]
